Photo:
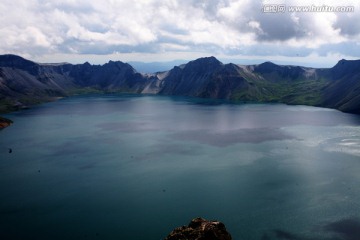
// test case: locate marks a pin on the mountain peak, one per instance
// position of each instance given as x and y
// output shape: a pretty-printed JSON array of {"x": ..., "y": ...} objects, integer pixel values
[
  {"x": 11, "y": 60},
  {"x": 345, "y": 67},
  {"x": 208, "y": 60},
  {"x": 209, "y": 63},
  {"x": 267, "y": 64},
  {"x": 267, "y": 67},
  {"x": 119, "y": 66},
  {"x": 344, "y": 61},
  {"x": 11, "y": 57}
]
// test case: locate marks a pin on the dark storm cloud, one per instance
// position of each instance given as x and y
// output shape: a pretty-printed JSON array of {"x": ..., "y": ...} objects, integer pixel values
[
  {"x": 278, "y": 27},
  {"x": 348, "y": 24},
  {"x": 271, "y": 27}
]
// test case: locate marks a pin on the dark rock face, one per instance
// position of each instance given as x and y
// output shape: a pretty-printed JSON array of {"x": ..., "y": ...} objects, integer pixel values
[
  {"x": 345, "y": 68},
  {"x": 200, "y": 229},
  {"x": 13, "y": 61},
  {"x": 275, "y": 72},
  {"x": 192, "y": 78},
  {"x": 23, "y": 82},
  {"x": 343, "y": 90}
]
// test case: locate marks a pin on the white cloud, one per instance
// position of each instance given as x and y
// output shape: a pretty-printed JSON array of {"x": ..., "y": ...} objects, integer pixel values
[{"x": 38, "y": 28}]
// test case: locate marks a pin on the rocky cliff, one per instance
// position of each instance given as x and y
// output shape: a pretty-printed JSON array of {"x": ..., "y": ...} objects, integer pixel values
[
  {"x": 343, "y": 90},
  {"x": 200, "y": 229},
  {"x": 23, "y": 82}
]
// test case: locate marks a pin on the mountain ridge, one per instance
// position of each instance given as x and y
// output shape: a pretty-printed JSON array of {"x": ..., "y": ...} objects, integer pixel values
[{"x": 24, "y": 82}]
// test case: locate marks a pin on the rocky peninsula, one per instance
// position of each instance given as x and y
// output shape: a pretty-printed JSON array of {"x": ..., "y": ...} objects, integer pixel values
[
  {"x": 5, "y": 122},
  {"x": 200, "y": 229}
]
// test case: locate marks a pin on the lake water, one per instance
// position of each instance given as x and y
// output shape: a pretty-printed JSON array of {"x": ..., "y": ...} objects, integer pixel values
[{"x": 135, "y": 167}]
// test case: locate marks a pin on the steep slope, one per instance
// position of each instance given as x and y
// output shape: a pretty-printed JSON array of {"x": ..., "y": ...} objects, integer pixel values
[
  {"x": 190, "y": 79},
  {"x": 112, "y": 76},
  {"x": 224, "y": 82},
  {"x": 343, "y": 92},
  {"x": 209, "y": 78},
  {"x": 23, "y": 82},
  {"x": 267, "y": 82},
  {"x": 275, "y": 73}
]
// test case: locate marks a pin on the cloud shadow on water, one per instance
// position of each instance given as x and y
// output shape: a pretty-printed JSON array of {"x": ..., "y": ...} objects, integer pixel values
[
  {"x": 128, "y": 127},
  {"x": 279, "y": 234},
  {"x": 224, "y": 139},
  {"x": 345, "y": 229},
  {"x": 348, "y": 229}
]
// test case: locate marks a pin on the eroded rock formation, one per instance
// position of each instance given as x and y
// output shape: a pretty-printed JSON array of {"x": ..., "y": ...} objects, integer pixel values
[{"x": 200, "y": 229}]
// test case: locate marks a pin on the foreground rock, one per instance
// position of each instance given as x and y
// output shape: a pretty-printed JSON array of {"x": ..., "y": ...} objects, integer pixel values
[
  {"x": 4, "y": 122},
  {"x": 200, "y": 229}
]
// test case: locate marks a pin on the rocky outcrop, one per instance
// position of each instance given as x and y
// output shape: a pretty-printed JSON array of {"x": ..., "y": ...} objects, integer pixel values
[
  {"x": 5, "y": 122},
  {"x": 200, "y": 229}
]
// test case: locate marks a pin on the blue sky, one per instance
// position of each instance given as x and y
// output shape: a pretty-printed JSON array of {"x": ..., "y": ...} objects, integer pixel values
[{"x": 163, "y": 30}]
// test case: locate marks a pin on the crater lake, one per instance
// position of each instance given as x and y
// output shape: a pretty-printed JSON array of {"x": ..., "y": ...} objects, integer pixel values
[{"x": 134, "y": 167}]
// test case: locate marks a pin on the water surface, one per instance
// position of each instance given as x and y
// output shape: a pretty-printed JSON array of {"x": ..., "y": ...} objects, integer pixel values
[{"x": 135, "y": 167}]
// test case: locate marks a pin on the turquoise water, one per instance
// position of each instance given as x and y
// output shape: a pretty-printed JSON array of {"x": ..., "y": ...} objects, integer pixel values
[{"x": 135, "y": 167}]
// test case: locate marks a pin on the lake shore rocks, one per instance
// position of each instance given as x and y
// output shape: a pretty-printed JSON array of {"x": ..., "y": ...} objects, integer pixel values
[
  {"x": 200, "y": 229},
  {"x": 5, "y": 122}
]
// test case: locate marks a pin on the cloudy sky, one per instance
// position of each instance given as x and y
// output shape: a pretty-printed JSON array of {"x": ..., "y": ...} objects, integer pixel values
[{"x": 162, "y": 30}]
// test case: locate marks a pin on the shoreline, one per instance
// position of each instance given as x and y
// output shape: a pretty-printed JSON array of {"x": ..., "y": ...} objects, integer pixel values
[{"x": 4, "y": 122}]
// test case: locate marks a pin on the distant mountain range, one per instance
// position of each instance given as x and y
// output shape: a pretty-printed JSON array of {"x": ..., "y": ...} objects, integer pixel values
[{"x": 23, "y": 82}]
